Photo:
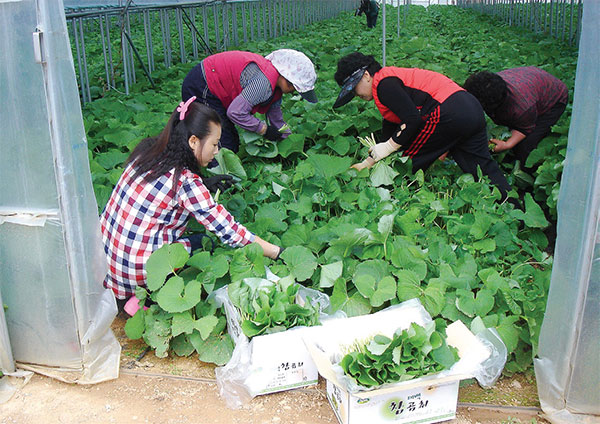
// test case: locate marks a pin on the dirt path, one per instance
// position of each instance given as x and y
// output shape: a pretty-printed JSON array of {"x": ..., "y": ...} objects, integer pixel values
[
  {"x": 141, "y": 398},
  {"x": 182, "y": 390}
]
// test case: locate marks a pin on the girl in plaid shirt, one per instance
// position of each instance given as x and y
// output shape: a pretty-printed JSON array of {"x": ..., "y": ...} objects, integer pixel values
[{"x": 159, "y": 191}]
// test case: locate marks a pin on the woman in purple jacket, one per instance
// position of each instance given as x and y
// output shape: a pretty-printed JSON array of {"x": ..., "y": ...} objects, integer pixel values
[
  {"x": 238, "y": 84},
  {"x": 527, "y": 100}
]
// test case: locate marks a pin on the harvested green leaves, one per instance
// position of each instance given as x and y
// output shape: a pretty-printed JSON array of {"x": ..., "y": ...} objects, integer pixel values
[
  {"x": 411, "y": 353},
  {"x": 269, "y": 307}
]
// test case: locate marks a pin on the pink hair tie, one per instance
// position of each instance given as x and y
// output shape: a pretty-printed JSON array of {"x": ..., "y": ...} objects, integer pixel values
[{"x": 183, "y": 107}]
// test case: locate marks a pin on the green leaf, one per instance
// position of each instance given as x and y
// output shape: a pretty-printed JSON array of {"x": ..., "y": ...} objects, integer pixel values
[
  {"x": 294, "y": 143},
  {"x": 215, "y": 349},
  {"x": 385, "y": 290},
  {"x": 383, "y": 175},
  {"x": 229, "y": 163},
  {"x": 366, "y": 284},
  {"x": 353, "y": 306},
  {"x": 340, "y": 145},
  {"x": 330, "y": 273},
  {"x": 182, "y": 346},
  {"x": 485, "y": 245},
  {"x": 272, "y": 217},
  {"x": 247, "y": 262},
  {"x": 301, "y": 262},
  {"x": 328, "y": 167},
  {"x": 215, "y": 264},
  {"x": 533, "y": 215},
  {"x": 182, "y": 323},
  {"x": 176, "y": 296},
  {"x": 163, "y": 262},
  {"x": 465, "y": 302},
  {"x": 135, "y": 326},
  {"x": 484, "y": 302}
]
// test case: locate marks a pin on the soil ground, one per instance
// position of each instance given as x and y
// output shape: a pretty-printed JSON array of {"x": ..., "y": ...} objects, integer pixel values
[{"x": 183, "y": 390}]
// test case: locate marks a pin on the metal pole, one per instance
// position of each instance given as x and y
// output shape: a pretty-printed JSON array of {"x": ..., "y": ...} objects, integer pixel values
[
  {"x": 110, "y": 58},
  {"x": 383, "y": 32},
  {"x": 264, "y": 19},
  {"x": 148, "y": 37},
  {"x": 245, "y": 29},
  {"x": 398, "y": 22},
  {"x": 195, "y": 33},
  {"x": 137, "y": 55},
  {"x": 179, "y": 25},
  {"x": 78, "y": 51},
  {"x": 217, "y": 36},
  {"x": 101, "y": 17},
  {"x": 85, "y": 69},
  {"x": 205, "y": 26},
  {"x": 571, "y": 25}
]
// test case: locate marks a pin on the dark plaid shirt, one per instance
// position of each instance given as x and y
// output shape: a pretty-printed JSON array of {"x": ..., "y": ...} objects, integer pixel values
[{"x": 531, "y": 93}]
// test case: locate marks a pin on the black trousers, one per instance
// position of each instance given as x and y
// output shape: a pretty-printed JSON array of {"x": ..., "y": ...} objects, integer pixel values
[
  {"x": 371, "y": 19},
  {"x": 542, "y": 129},
  {"x": 459, "y": 129}
]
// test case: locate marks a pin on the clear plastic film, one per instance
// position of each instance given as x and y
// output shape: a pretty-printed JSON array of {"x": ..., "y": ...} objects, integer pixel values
[{"x": 58, "y": 314}]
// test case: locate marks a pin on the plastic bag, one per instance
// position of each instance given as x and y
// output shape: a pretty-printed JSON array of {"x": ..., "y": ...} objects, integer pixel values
[
  {"x": 490, "y": 370},
  {"x": 245, "y": 375}
]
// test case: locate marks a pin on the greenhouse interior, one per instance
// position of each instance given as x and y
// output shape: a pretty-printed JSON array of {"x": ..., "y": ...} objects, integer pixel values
[{"x": 300, "y": 211}]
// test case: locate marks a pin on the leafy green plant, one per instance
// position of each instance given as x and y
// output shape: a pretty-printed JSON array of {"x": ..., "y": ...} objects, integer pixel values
[
  {"x": 181, "y": 319},
  {"x": 439, "y": 236},
  {"x": 410, "y": 353},
  {"x": 269, "y": 307}
]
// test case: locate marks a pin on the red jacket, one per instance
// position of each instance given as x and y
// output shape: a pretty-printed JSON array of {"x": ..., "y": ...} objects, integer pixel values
[
  {"x": 426, "y": 88},
  {"x": 223, "y": 72}
]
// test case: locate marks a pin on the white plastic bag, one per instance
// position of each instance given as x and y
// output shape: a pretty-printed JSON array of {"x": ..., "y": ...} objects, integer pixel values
[{"x": 250, "y": 371}]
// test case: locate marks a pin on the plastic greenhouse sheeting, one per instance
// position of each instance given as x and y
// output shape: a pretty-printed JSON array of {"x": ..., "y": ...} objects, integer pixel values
[
  {"x": 568, "y": 364},
  {"x": 58, "y": 314}
]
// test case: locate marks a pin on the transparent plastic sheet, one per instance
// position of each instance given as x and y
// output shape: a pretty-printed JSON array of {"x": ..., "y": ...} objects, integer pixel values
[
  {"x": 236, "y": 379},
  {"x": 485, "y": 363},
  {"x": 11, "y": 382},
  {"x": 491, "y": 369},
  {"x": 567, "y": 365},
  {"x": 7, "y": 362},
  {"x": 51, "y": 254}
]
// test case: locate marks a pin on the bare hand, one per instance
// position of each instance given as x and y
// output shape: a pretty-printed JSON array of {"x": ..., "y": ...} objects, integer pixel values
[{"x": 500, "y": 145}]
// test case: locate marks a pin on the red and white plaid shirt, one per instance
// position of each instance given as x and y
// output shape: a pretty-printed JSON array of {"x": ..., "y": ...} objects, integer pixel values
[{"x": 140, "y": 217}]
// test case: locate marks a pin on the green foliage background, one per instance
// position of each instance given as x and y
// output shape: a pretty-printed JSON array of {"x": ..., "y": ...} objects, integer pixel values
[{"x": 374, "y": 240}]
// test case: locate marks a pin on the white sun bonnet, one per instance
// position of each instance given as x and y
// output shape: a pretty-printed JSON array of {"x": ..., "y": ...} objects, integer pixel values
[{"x": 298, "y": 69}]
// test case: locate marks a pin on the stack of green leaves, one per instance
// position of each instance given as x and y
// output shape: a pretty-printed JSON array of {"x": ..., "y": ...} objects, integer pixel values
[
  {"x": 411, "y": 353},
  {"x": 269, "y": 307}
]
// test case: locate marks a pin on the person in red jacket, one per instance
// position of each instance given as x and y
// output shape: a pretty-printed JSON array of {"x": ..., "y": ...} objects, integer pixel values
[
  {"x": 238, "y": 84},
  {"x": 425, "y": 114},
  {"x": 527, "y": 100}
]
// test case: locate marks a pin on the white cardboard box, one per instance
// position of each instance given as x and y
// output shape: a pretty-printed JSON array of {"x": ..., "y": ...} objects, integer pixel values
[
  {"x": 427, "y": 403},
  {"x": 424, "y": 400},
  {"x": 280, "y": 361},
  {"x": 266, "y": 364}
]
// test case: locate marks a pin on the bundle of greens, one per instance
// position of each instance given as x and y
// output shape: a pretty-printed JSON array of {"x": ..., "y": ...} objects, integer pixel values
[
  {"x": 411, "y": 353},
  {"x": 269, "y": 307}
]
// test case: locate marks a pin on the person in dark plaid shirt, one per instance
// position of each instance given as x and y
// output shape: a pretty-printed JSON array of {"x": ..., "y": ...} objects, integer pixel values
[
  {"x": 527, "y": 100},
  {"x": 159, "y": 191}
]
